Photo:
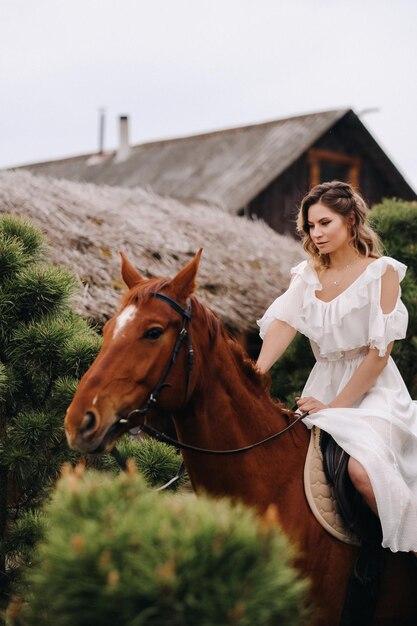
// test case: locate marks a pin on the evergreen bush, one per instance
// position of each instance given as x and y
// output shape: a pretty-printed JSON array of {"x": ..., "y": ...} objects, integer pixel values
[
  {"x": 44, "y": 348},
  {"x": 115, "y": 552},
  {"x": 157, "y": 462},
  {"x": 396, "y": 223}
]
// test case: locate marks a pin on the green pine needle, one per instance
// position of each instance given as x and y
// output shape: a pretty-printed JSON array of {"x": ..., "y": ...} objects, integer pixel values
[
  {"x": 116, "y": 553},
  {"x": 12, "y": 257},
  {"x": 24, "y": 231},
  {"x": 44, "y": 345},
  {"x": 4, "y": 383},
  {"x": 156, "y": 461},
  {"x": 41, "y": 290}
]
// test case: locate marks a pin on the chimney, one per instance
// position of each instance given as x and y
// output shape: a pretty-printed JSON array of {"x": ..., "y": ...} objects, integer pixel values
[
  {"x": 102, "y": 123},
  {"x": 124, "y": 149}
]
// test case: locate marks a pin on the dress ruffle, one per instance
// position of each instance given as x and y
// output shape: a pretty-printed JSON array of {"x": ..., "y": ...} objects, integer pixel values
[
  {"x": 385, "y": 328},
  {"x": 327, "y": 323}
]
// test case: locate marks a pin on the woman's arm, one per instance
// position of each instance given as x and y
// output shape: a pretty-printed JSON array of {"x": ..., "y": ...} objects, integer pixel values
[
  {"x": 276, "y": 341},
  {"x": 363, "y": 379},
  {"x": 372, "y": 365}
]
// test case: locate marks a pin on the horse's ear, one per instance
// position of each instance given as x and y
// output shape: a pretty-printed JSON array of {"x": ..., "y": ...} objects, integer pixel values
[
  {"x": 130, "y": 274},
  {"x": 184, "y": 282}
]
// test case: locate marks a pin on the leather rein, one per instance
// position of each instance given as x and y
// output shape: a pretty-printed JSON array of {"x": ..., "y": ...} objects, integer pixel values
[{"x": 186, "y": 314}]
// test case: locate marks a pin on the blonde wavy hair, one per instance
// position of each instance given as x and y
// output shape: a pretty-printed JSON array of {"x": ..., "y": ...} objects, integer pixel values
[{"x": 341, "y": 198}]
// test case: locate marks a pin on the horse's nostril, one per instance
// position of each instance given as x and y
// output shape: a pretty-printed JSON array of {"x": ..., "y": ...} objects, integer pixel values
[{"x": 89, "y": 422}]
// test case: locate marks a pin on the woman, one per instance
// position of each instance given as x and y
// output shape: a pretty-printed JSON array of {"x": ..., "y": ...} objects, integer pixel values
[{"x": 346, "y": 299}]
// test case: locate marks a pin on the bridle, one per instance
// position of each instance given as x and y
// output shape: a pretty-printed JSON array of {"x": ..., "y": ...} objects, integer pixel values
[
  {"x": 150, "y": 402},
  {"x": 182, "y": 335}
]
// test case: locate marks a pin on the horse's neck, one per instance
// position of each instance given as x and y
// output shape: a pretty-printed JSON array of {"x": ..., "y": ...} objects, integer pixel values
[{"x": 229, "y": 409}]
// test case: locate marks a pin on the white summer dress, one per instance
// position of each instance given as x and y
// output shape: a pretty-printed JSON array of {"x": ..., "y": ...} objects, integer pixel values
[{"x": 380, "y": 430}]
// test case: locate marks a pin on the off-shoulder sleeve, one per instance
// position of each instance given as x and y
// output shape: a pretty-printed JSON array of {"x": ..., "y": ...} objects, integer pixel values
[
  {"x": 387, "y": 327},
  {"x": 286, "y": 307}
]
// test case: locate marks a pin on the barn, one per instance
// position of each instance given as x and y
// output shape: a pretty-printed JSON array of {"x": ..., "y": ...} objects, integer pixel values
[{"x": 261, "y": 170}]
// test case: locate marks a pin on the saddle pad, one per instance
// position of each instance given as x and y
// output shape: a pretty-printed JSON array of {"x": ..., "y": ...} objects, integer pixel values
[{"x": 319, "y": 494}]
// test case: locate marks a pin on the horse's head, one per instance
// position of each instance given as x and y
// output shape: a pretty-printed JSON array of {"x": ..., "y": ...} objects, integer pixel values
[{"x": 138, "y": 345}]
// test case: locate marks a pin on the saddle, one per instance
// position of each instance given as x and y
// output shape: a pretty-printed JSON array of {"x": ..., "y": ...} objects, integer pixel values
[
  {"x": 356, "y": 514},
  {"x": 331, "y": 495}
]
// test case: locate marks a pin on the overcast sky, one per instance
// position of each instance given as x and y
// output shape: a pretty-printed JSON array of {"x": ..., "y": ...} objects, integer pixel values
[{"x": 179, "y": 67}]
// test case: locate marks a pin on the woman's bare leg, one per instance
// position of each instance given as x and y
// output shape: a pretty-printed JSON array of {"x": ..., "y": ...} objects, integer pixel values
[{"x": 361, "y": 482}]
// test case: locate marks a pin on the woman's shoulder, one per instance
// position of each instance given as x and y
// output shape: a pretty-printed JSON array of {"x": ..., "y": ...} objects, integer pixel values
[
  {"x": 379, "y": 266},
  {"x": 305, "y": 271}
]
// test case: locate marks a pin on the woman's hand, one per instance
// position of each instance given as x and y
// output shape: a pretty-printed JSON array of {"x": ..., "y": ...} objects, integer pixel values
[{"x": 310, "y": 405}]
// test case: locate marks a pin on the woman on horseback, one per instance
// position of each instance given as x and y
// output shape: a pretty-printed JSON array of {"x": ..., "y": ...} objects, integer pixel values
[{"x": 346, "y": 299}]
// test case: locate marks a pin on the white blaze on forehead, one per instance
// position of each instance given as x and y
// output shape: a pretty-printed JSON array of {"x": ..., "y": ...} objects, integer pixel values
[{"x": 126, "y": 316}]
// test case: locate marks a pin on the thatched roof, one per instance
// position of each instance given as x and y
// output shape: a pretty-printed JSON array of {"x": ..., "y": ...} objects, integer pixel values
[
  {"x": 245, "y": 264},
  {"x": 227, "y": 167}
]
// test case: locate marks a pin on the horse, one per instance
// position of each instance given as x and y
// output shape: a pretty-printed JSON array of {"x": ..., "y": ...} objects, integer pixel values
[{"x": 165, "y": 353}]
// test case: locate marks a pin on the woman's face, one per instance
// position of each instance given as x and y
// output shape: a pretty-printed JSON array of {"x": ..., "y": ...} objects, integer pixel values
[{"x": 328, "y": 230}]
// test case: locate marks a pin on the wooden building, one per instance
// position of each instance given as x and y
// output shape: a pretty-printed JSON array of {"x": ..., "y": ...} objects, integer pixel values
[{"x": 260, "y": 170}]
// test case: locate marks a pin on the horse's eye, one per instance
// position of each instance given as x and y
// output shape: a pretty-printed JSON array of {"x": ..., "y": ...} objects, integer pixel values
[{"x": 153, "y": 333}]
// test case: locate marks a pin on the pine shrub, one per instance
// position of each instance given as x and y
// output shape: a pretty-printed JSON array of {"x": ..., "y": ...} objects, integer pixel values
[
  {"x": 396, "y": 223},
  {"x": 115, "y": 552},
  {"x": 44, "y": 348},
  {"x": 157, "y": 462}
]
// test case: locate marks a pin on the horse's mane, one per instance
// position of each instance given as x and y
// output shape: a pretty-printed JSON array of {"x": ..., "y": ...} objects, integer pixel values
[
  {"x": 216, "y": 330},
  {"x": 210, "y": 319},
  {"x": 247, "y": 365}
]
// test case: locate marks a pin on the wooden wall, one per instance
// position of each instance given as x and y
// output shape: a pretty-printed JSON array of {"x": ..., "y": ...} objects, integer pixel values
[{"x": 278, "y": 203}]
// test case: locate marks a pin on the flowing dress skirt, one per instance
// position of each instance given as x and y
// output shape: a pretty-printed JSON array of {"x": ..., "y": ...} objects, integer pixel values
[{"x": 380, "y": 433}]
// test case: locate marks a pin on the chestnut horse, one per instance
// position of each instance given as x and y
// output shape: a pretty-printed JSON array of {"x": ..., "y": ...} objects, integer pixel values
[{"x": 218, "y": 402}]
